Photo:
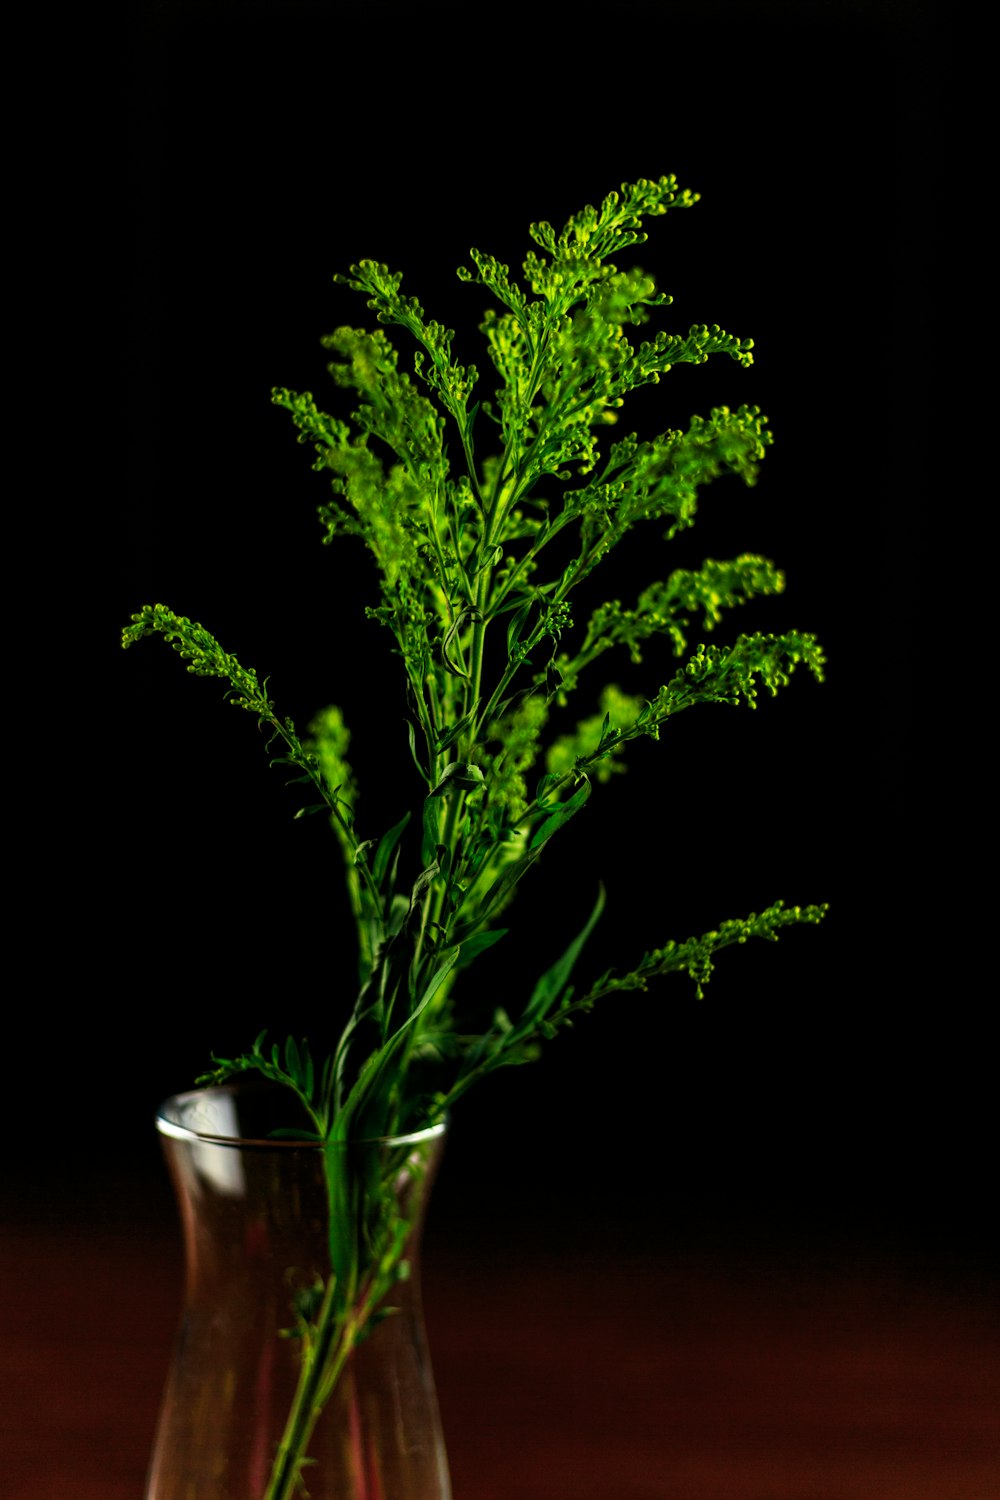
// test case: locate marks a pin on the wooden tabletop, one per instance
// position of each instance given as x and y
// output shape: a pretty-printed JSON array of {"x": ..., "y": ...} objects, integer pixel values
[{"x": 681, "y": 1376}]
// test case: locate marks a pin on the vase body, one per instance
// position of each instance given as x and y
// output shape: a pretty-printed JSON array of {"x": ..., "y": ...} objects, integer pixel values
[{"x": 255, "y": 1212}]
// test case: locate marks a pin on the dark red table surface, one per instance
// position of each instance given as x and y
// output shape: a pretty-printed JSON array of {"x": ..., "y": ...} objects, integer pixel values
[{"x": 593, "y": 1374}]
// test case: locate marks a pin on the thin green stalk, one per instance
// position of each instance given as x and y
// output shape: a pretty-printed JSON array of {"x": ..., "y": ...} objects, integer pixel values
[{"x": 305, "y": 1410}]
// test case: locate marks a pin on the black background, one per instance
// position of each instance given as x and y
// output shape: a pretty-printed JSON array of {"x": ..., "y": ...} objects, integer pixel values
[{"x": 833, "y": 1083}]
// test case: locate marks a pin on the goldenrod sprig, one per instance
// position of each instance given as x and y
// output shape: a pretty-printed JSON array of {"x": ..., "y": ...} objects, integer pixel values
[
  {"x": 477, "y": 596},
  {"x": 482, "y": 518}
]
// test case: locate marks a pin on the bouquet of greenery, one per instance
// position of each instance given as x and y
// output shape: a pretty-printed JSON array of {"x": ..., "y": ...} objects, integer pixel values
[{"x": 483, "y": 515}]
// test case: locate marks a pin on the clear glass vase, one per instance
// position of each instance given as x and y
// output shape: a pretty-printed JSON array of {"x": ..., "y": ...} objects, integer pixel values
[{"x": 301, "y": 1337}]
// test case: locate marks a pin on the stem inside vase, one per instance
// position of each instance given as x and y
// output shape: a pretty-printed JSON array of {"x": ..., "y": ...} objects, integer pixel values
[{"x": 283, "y": 1349}]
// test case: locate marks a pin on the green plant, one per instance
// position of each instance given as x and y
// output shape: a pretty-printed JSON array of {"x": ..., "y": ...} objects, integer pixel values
[{"x": 460, "y": 501}]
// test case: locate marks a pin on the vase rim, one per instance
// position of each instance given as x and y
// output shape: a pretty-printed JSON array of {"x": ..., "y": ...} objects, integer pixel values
[{"x": 169, "y": 1125}]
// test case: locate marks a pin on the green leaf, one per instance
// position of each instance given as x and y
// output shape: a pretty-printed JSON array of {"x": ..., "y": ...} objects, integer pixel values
[
  {"x": 293, "y": 1062},
  {"x": 550, "y": 987},
  {"x": 478, "y": 943},
  {"x": 384, "y": 852},
  {"x": 456, "y": 731},
  {"x": 378, "y": 1064},
  {"x": 459, "y": 776},
  {"x": 412, "y": 741},
  {"x": 560, "y": 816},
  {"x": 516, "y": 626}
]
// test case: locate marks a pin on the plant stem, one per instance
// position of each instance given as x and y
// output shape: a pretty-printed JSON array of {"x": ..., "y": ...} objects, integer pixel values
[
  {"x": 335, "y": 1337},
  {"x": 305, "y": 1409}
]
